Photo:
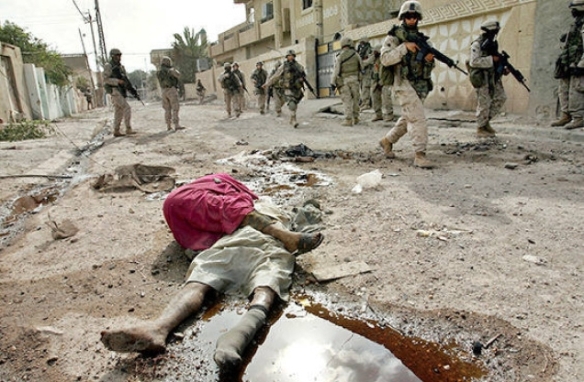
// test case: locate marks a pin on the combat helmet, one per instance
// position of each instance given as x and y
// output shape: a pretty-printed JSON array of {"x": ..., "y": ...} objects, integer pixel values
[
  {"x": 577, "y": 5},
  {"x": 166, "y": 61},
  {"x": 411, "y": 6},
  {"x": 227, "y": 66},
  {"x": 291, "y": 52},
  {"x": 491, "y": 26},
  {"x": 115, "y": 51},
  {"x": 346, "y": 41}
]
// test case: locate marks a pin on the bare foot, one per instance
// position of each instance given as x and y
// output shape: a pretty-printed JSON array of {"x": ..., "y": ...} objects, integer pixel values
[{"x": 140, "y": 338}]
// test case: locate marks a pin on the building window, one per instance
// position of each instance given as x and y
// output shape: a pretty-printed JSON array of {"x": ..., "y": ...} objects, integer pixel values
[
  {"x": 306, "y": 4},
  {"x": 267, "y": 11}
]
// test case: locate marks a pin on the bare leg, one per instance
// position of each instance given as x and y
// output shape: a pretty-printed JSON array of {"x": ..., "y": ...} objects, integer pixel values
[
  {"x": 150, "y": 336},
  {"x": 293, "y": 241},
  {"x": 231, "y": 345}
]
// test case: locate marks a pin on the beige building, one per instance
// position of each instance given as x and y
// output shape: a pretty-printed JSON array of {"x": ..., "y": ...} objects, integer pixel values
[{"x": 530, "y": 35}]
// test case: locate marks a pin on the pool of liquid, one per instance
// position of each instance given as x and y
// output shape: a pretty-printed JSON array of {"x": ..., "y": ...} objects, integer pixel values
[{"x": 306, "y": 341}]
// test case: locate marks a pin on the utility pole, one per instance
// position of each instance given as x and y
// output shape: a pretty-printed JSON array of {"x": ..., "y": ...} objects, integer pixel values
[
  {"x": 91, "y": 21},
  {"x": 100, "y": 33},
  {"x": 87, "y": 63}
]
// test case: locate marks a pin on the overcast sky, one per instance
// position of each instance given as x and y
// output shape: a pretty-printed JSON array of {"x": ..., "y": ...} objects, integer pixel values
[{"x": 134, "y": 26}]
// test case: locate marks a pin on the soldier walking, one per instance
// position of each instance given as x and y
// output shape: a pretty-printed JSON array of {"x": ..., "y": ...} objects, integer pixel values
[
  {"x": 381, "y": 81},
  {"x": 259, "y": 78},
  {"x": 347, "y": 77},
  {"x": 116, "y": 84},
  {"x": 485, "y": 78},
  {"x": 168, "y": 77},
  {"x": 276, "y": 91},
  {"x": 239, "y": 99},
  {"x": 570, "y": 70},
  {"x": 292, "y": 75},
  {"x": 201, "y": 91},
  {"x": 366, "y": 54},
  {"x": 231, "y": 88},
  {"x": 412, "y": 83}
]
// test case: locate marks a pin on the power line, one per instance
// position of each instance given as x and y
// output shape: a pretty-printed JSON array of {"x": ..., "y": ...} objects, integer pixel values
[{"x": 81, "y": 13}]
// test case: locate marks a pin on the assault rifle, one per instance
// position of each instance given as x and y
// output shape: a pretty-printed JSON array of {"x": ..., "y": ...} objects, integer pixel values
[
  {"x": 270, "y": 95},
  {"x": 127, "y": 86},
  {"x": 425, "y": 48},
  {"x": 505, "y": 64},
  {"x": 309, "y": 86},
  {"x": 492, "y": 48}
]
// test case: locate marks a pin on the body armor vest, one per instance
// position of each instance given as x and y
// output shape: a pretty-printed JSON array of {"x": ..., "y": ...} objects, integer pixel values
[{"x": 166, "y": 79}]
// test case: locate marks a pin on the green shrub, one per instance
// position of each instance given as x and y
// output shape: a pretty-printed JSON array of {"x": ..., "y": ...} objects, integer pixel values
[{"x": 23, "y": 130}]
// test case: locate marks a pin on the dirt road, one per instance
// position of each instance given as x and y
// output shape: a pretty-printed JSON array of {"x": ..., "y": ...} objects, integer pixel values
[{"x": 488, "y": 243}]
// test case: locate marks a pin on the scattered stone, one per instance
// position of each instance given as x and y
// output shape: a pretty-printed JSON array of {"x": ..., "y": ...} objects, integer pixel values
[{"x": 511, "y": 165}]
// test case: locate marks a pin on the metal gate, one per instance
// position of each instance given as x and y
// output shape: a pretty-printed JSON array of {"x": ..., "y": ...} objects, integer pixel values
[{"x": 325, "y": 64}]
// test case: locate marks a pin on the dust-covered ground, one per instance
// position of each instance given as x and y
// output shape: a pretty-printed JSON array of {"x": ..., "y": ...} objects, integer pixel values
[{"x": 486, "y": 245}]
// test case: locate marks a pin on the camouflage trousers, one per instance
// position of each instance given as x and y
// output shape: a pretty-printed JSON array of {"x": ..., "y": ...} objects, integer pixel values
[
  {"x": 238, "y": 101},
  {"x": 229, "y": 99},
  {"x": 261, "y": 97},
  {"x": 279, "y": 99},
  {"x": 381, "y": 101},
  {"x": 412, "y": 119},
  {"x": 490, "y": 101},
  {"x": 366, "y": 83},
  {"x": 122, "y": 111},
  {"x": 171, "y": 106},
  {"x": 293, "y": 98},
  {"x": 350, "y": 97},
  {"x": 571, "y": 96}
]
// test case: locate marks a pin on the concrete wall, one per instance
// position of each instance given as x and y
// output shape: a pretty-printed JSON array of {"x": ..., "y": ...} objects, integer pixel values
[
  {"x": 552, "y": 18},
  {"x": 14, "y": 104}
]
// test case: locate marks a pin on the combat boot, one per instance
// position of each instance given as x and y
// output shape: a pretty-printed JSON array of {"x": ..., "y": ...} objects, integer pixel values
[
  {"x": 278, "y": 114},
  {"x": 377, "y": 118},
  {"x": 421, "y": 161},
  {"x": 293, "y": 122},
  {"x": 483, "y": 132},
  {"x": 129, "y": 131},
  {"x": 168, "y": 127},
  {"x": 347, "y": 122},
  {"x": 564, "y": 120},
  {"x": 117, "y": 133},
  {"x": 388, "y": 118},
  {"x": 576, "y": 123},
  {"x": 490, "y": 129},
  {"x": 387, "y": 147},
  {"x": 355, "y": 120}
]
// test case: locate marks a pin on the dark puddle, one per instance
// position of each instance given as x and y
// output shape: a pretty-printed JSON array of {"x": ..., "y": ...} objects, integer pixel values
[{"x": 306, "y": 341}]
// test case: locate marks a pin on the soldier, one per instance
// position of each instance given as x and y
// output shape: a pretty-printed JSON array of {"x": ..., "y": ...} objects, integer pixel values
[
  {"x": 276, "y": 91},
  {"x": 201, "y": 91},
  {"x": 116, "y": 84},
  {"x": 412, "y": 83},
  {"x": 259, "y": 78},
  {"x": 239, "y": 99},
  {"x": 366, "y": 53},
  {"x": 380, "y": 93},
  {"x": 569, "y": 72},
  {"x": 292, "y": 75},
  {"x": 346, "y": 77},
  {"x": 231, "y": 88},
  {"x": 485, "y": 78},
  {"x": 168, "y": 77}
]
